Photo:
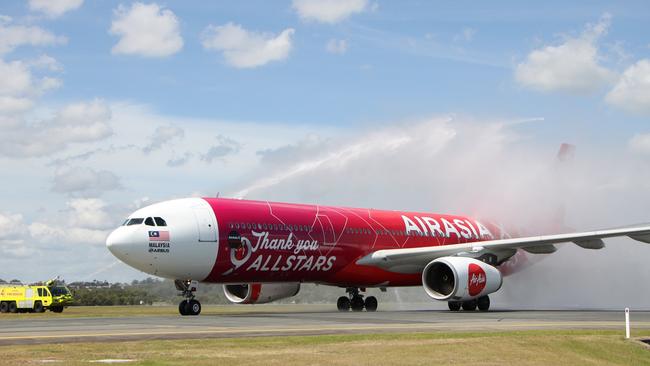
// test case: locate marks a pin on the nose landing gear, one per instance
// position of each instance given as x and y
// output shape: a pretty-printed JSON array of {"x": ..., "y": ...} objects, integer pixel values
[
  {"x": 355, "y": 301},
  {"x": 189, "y": 306}
]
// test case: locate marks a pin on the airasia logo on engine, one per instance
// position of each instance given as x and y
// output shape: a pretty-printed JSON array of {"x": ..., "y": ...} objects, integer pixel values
[{"x": 475, "y": 279}]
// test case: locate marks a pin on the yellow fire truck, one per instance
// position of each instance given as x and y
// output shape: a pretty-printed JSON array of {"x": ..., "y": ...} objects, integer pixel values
[{"x": 52, "y": 295}]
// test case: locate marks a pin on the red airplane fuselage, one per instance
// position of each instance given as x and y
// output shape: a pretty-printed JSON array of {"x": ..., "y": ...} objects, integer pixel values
[{"x": 281, "y": 242}]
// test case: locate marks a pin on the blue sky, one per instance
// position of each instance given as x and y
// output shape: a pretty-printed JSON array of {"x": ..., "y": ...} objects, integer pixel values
[{"x": 109, "y": 105}]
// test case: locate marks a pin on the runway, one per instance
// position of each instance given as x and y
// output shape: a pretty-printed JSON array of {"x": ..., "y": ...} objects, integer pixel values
[{"x": 26, "y": 330}]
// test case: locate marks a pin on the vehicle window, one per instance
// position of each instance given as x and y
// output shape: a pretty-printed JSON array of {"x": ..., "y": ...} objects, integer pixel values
[
  {"x": 160, "y": 221},
  {"x": 149, "y": 221},
  {"x": 135, "y": 221},
  {"x": 56, "y": 291},
  {"x": 40, "y": 292},
  {"x": 125, "y": 221}
]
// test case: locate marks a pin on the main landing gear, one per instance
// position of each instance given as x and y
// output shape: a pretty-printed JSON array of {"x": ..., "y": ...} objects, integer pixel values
[
  {"x": 189, "y": 306},
  {"x": 482, "y": 303},
  {"x": 355, "y": 301}
]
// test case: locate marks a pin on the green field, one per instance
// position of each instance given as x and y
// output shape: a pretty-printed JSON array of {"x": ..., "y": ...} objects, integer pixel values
[
  {"x": 517, "y": 348},
  {"x": 145, "y": 310}
]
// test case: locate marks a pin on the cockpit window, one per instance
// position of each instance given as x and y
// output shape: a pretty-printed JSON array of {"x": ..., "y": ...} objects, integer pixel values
[
  {"x": 160, "y": 221},
  {"x": 125, "y": 222},
  {"x": 149, "y": 221},
  {"x": 135, "y": 221}
]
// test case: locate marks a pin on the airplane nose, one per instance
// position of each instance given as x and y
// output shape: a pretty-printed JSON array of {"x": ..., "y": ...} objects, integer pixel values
[{"x": 122, "y": 244}]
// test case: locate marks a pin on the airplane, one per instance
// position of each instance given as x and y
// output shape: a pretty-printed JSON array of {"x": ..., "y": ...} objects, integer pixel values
[{"x": 262, "y": 251}]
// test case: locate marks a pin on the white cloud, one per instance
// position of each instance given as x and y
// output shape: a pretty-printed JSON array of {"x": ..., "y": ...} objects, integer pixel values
[
  {"x": 225, "y": 146},
  {"x": 15, "y": 78},
  {"x": 180, "y": 160},
  {"x": 245, "y": 49},
  {"x": 66, "y": 236},
  {"x": 146, "y": 30},
  {"x": 75, "y": 123},
  {"x": 467, "y": 35},
  {"x": 330, "y": 11},
  {"x": 12, "y": 36},
  {"x": 11, "y": 226},
  {"x": 13, "y": 105},
  {"x": 13, "y": 232},
  {"x": 162, "y": 135},
  {"x": 18, "y": 85},
  {"x": 632, "y": 91},
  {"x": 54, "y": 8},
  {"x": 337, "y": 46},
  {"x": 572, "y": 66},
  {"x": 45, "y": 62},
  {"x": 640, "y": 143},
  {"x": 86, "y": 182},
  {"x": 80, "y": 122},
  {"x": 90, "y": 213}
]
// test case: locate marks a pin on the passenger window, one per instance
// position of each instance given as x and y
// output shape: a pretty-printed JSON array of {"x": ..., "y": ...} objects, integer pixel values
[
  {"x": 160, "y": 221},
  {"x": 136, "y": 221},
  {"x": 149, "y": 221},
  {"x": 40, "y": 292}
]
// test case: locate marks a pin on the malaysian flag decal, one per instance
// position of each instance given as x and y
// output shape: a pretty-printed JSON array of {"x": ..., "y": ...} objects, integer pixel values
[{"x": 159, "y": 236}]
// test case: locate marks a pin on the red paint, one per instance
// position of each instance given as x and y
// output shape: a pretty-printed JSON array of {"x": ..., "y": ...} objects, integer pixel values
[
  {"x": 475, "y": 279},
  {"x": 309, "y": 243},
  {"x": 256, "y": 288}
]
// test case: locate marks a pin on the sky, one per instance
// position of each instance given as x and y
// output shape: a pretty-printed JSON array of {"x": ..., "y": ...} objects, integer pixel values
[{"x": 456, "y": 107}]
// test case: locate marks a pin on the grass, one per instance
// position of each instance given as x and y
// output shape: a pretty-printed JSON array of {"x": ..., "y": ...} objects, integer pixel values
[
  {"x": 122, "y": 311},
  {"x": 486, "y": 348}
]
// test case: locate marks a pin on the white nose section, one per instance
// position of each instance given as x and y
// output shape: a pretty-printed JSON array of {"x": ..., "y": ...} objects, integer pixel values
[
  {"x": 124, "y": 242},
  {"x": 184, "y": 247}
]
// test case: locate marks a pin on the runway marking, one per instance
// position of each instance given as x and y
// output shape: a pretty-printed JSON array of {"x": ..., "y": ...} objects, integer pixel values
[{"x": 408, "y": 327}]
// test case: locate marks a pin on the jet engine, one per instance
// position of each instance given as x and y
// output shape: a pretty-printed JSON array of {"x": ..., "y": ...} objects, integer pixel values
[
  {"x": 259, "y": 293},
  {"x": 460, "y": 279}
]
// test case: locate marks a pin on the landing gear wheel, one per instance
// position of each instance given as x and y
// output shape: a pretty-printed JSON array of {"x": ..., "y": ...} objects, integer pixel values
[
  {"x": 38, "y": 307},
  {"x": 182, "y": 306},
  {"x": 12, "y": 307},
  {"x": 4, "y": 307},
  {"x": 357, "y": 303},
  {"x": 189, "y": 306},
  {"x": 194, "y": 307},
  {"x": 469, "y": 305},
  {"x": 483, "y": 303},
  {"x": 343, "y": 303},
  {"x": 56, "y": 309},
  {"x": 371, "y": 303},
  {"x": 454, "y": 305}
]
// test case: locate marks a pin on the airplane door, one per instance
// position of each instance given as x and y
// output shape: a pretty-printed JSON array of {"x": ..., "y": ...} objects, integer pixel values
[{"x": 207, "y": 224}]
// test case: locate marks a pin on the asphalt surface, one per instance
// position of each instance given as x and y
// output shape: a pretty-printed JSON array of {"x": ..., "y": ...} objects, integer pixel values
[{"x": 279, "y": 323}]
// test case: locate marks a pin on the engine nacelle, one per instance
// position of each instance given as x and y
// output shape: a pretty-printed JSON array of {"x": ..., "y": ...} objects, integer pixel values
[
  {"x": 260, "y": 293},
  {"x": 460, "y": 278}
]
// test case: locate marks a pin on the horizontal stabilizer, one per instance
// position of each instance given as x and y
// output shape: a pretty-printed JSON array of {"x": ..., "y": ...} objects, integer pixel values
[
  {"x": 590, "y": 243},
  {"x": 541, "y": 249}
]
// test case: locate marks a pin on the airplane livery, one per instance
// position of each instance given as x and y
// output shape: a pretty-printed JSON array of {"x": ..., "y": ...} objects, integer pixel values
[{"x": 262, "y": 251}]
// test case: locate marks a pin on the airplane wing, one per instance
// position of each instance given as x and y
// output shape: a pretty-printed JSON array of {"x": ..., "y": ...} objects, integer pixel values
[{"x": 413, "y": 260}]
